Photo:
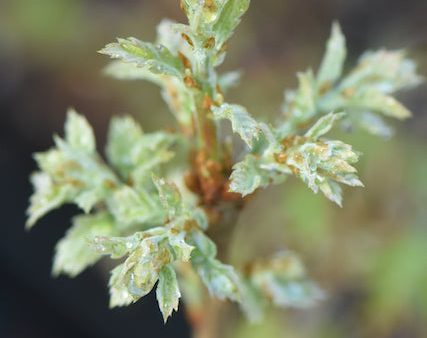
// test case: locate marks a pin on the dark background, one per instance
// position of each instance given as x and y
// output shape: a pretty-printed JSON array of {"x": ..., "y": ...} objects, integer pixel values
[{"x": 48, "y": 61}]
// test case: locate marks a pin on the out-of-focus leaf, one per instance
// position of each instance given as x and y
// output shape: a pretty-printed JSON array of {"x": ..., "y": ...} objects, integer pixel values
[
  {"x": 323, "y": 125},
  {"x": 282, "y": 280},
  {"x": 375, "y": 101},
  {"x": 78, "y": 133},
  {"x": 135, "y": 154},
  {"x": 229, "y": 18},
  {"x": 220, "y": 279},
  {"x": 73, "y": 252},
  {"x": 332, "y": 64}
]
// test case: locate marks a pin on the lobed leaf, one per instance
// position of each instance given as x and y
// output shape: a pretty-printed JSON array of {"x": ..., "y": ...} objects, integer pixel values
[
  {"x": 242, "y": 123},
  {"x": 283, "y": 281},
  {"x": 332, "y": 64},
  {"x": 156, "y": 59},
  {"x": 73, "y": 253},
  {"x": 167, "y": 292}
]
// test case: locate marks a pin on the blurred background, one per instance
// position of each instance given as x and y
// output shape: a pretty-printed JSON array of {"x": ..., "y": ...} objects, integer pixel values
[{"x": 370, "y": 256}]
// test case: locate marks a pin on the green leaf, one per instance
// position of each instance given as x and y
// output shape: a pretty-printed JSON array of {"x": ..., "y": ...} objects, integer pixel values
[
  {"x": 135, "y": 154},
  {"x": 71, "y": 172},
  {"x": 375, "y": 101},
  {"x": 73, "y": 253},
  {"x": 156, "y": 59},
  {"x": 220, "y": 279},
  {"x": 148, "y": 252},
  {"x": 229, "y": 80},
  {"x": 129, "y": 207},
  {"x": 229, "y": 18},
  {"x": 241, "y": 121},
  {"x": 46, "y": 197},
  {"x": 167, "y": 292},
  {"x": 323, "y": 125},
  {"x": 170, "y": 196},
  {"x": 375, "y": 125},
  {"x": 332, "y": 64},
  {"x": 318, "y": 163},
  {"x": 283, "y": 281},
  {"x": 247, "y": 176},
  {"x": 299, "y": 106},
  {"x": 119, "y": 295},
  {"x": 129, "y": 71},
  {"x": 78, "y": 133},
  {"x": 383, "y": 71}
]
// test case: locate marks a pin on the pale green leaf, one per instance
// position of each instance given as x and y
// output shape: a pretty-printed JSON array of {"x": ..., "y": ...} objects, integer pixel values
[
  {"x": 167, "y": 292},
  {"x": 119, "y": 295},
  {"x": 229, "y": 80},
  {"x": 78, "y": 133},
  {"x": 375, "y": 125},
  {"x": 332, "y": 64},
  {"x": 128, "y": 71},
  {"x": 229, "y": 18},
  {"x": 73, "y": 252},
  {"x": 332, "y": 191},
  {"x": 383, "y": 71},
  {"x": 46, "y": 197},
  {"x": 147, "y": 253},
  {"x": 220, "y": 279},
  {"x": 131, "y": 207},
  {"x": 135, "y": 154},
  {"x": 157, "y": 59},
  {"x": 375, "y": 101},
  {"x": 282, "y": 280},
  {"x": 323, "y": 125},
  {"x": 247, "y": 176},
  {"x": 170, "y": 196},
  {"x": 241, "y": 121}
]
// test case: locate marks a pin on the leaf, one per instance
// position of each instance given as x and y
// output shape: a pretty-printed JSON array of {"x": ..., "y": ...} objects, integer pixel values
[
  {"x": 247, "y": 176},
  {"x": 229, "y": 18},
  {"x": 241, "y": 122},
  {"x": 167, "y": 292},
  {"x": 46, "y": 197},
  {"x": 220, "y": 279},
  {"x": 71, "y": 172},
  {"x": 375, "y": 101},
  {"x": 156, "y": 59},
  {"x": 147, "y": 253},
  {"x": 282, "y": 280},
  {"x": 332, "y": 64},
  {"x": 299, "y": 106},
  {"x": 323, "y": 125},
  {"x": 168, "y": 36},
  {"x": 229, "y": 80},
  {"x": 129, "y": 207},
  {"x": 73, "y": 253},
  {"x": 375, "y": 125},
  {"x": 318, "y": 163},
  {"x": 170, "y": 196},
  {"x": 129, "y": 71},
  {"x": 119, "y": 295},
  {"x": 332, "y": 191},
  {"x": 135, "y": 154},
  {"x": 383, "y": 71},
  {"x": 78, "y": 133}
]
